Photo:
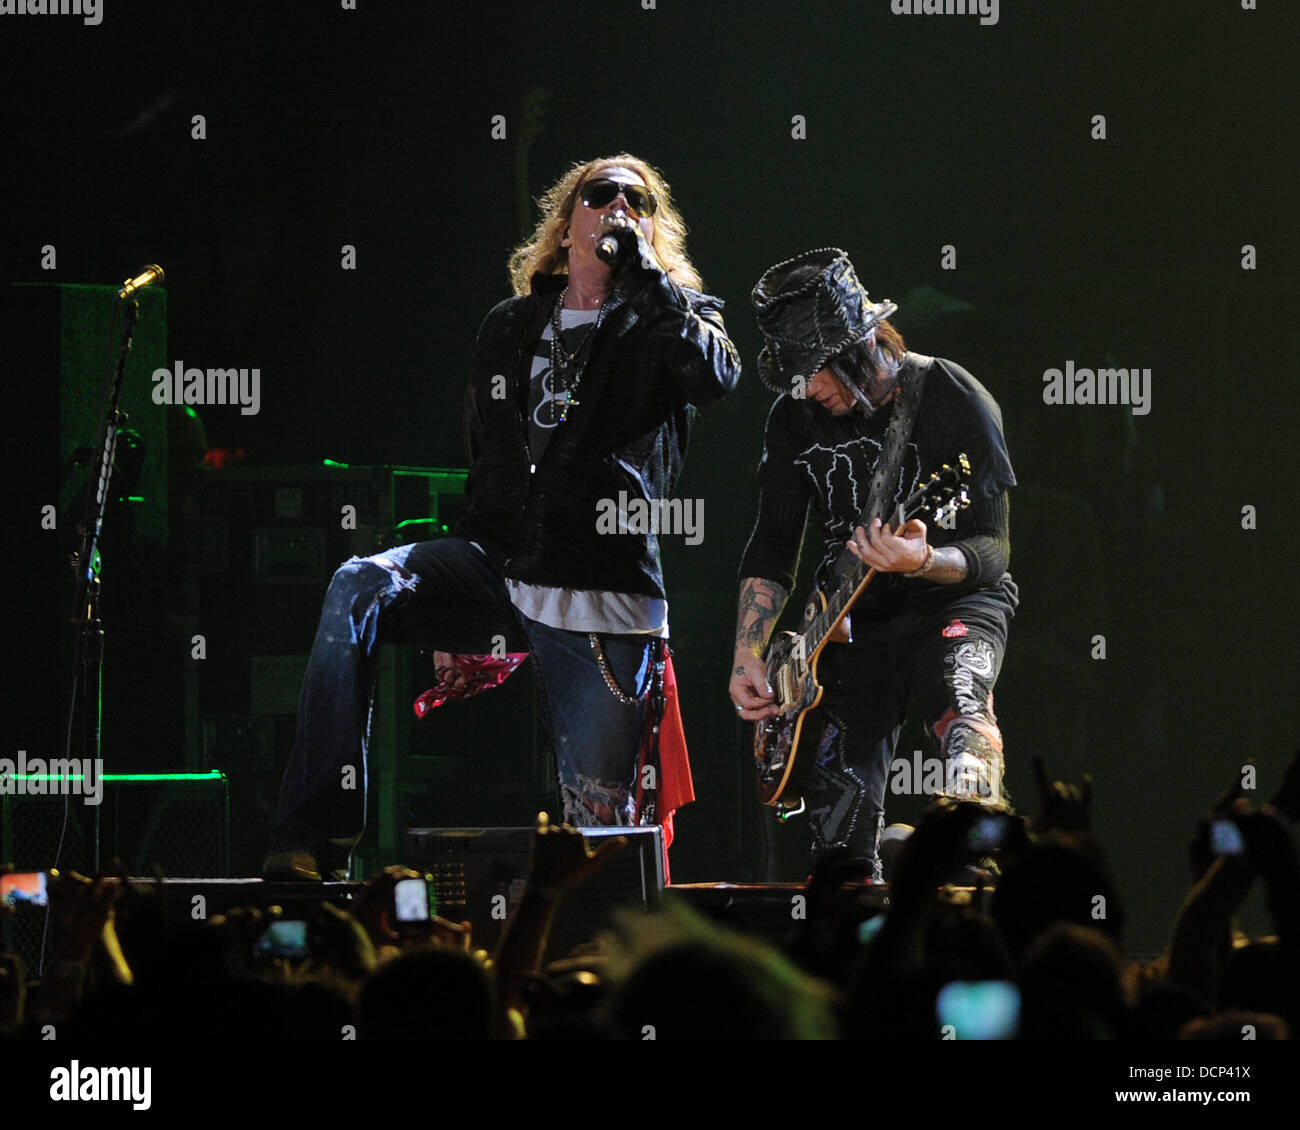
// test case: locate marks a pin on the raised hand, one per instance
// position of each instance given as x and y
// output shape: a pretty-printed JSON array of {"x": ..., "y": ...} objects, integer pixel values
[
  {"x": 376, "y": 902},
  {"x": 560, "y": 857},
  {"x": 1269, "y": 847},
  {"x": 1063, "y": 807},
  {"x": 340, "y": 942},
  {"x": 82, "y": 906},
  {"x": 943, "y": 842},
  {"x": 239, "y": 928},
  {"x": 1199, "y": 850}
]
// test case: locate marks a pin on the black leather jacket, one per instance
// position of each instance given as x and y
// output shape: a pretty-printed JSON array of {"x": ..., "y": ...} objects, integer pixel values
[{"x": 657, "y": 350}]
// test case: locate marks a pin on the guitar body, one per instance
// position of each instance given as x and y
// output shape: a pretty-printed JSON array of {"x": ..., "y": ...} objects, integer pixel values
[{"x": 782, "y": 742}]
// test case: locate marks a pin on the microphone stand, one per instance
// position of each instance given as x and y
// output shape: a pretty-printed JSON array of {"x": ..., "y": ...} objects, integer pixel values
[{"x": 88, "y": 683}]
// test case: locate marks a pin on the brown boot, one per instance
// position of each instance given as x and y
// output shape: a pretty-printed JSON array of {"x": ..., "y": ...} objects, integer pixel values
[{"x": 293, "y": 864}]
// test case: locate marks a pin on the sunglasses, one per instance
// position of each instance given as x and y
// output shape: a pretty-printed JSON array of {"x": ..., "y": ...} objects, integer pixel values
[{"x": 599, "y": 192}]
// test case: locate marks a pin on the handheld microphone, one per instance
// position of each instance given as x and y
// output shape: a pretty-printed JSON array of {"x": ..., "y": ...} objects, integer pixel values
[
  {"x": 149, "y": 276},
  {"x": 607, "y": 248},
  {"x": 610, "y": 247}
]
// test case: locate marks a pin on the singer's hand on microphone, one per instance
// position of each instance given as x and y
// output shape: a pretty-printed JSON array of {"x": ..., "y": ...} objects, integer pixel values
[
  {"x": 633, "y": 247},
  {"x": 621, "y": 227}
]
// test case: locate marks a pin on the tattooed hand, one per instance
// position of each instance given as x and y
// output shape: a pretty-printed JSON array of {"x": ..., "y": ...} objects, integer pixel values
[{"x": 749, "y": 689}]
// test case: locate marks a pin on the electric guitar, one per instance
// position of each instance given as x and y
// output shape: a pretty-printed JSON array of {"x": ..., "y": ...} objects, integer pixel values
[{"x": 786, "y": 744}]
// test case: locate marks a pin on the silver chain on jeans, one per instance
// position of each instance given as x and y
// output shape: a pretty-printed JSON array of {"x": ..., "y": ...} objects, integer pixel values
[{"x": 607, "y": 674}]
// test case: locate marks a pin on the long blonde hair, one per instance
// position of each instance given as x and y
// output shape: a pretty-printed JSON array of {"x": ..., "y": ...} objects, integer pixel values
[{"x": 541, "y": 251}]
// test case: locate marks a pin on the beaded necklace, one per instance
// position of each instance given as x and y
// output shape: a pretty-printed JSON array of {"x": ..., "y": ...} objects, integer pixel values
[{"x": 566, "y": 369}]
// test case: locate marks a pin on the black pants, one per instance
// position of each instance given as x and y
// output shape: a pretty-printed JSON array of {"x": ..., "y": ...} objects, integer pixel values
[{"x": 938, "y": 669}]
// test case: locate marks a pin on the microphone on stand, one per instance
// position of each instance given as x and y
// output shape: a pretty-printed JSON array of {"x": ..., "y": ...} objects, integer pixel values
[{"x": 149, "y": 276}]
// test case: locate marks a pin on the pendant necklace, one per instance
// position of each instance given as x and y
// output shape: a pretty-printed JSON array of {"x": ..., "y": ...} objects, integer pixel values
[{"x": 566, "y": 370}]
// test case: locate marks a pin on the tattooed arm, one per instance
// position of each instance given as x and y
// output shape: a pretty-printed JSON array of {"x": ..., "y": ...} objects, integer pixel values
[
  {"x": 768, "y": 569},
  {"x": 761, "y": 602}
]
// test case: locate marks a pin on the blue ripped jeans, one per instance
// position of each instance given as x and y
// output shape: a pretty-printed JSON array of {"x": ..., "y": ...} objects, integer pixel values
[{"x": 446, "y": 595}]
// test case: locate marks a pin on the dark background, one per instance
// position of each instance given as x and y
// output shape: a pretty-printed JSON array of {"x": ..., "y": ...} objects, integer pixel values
[{"x": 372, "y": 127}]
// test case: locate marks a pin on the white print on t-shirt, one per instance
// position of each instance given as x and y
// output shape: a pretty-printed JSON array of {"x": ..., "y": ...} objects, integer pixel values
[
  {"x": 552, "y": 404},
  {"x": 841, "y": 477}
]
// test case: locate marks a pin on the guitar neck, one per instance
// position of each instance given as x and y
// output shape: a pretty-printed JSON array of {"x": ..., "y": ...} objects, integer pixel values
[{"x": 852, "y": 576}]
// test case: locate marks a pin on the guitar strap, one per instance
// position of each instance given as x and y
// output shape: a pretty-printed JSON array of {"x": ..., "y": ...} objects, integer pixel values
[{"x": 911, "y": 381}]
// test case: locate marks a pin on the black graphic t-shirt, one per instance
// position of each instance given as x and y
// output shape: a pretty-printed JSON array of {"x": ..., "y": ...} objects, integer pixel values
[{"x": 829, "y": 461}]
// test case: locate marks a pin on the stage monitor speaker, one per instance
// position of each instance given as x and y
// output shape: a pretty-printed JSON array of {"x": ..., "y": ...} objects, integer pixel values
[
  {"x": 176, "y": 822},
  {"x": 479, "y": 876},
  {"x": 173, "y": 821}
]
